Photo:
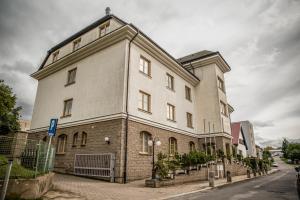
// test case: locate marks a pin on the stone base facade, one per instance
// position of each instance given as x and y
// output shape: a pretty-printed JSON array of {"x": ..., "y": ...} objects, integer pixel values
[{"x": 139, "y": 163}]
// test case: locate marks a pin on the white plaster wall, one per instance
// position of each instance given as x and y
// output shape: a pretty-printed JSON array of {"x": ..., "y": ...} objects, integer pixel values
[
  {"x": 208, "y": 107},
  {"x": 86, "y": 38},
  {"x": 160, "y": 95},
  {"x": 98, "y": 90},
  {"x": 241, "y": 146}
]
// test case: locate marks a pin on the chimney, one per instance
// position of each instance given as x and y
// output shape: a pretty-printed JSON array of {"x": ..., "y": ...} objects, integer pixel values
[{"x": 107, "y": 10}]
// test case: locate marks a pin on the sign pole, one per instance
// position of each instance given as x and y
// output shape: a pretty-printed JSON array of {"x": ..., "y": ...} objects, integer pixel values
[
  {"x": 47, "y": 155},
  {"x": 51, "y": 133}
]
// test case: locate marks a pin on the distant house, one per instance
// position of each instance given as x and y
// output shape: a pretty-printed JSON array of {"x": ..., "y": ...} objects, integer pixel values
[
  {"x": 24, "y": 124},
  {"x": 238, "y": 139}
]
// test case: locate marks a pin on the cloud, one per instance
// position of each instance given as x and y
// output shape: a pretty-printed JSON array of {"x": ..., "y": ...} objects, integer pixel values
[{"x": 259, "y": 39}]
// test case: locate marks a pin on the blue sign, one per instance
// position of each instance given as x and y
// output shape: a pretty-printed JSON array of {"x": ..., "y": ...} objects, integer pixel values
[{"x": 52, "y": 127}]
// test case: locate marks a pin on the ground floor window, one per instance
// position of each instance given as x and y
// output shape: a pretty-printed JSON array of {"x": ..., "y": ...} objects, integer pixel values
[
  {"x": 192, "y": 146},
  {"x": 83, "y": 138},
  {"x": 61, "y": 143},
  {"x": 145, "y": 138},
  {"x": 172, "y": 146},
  {"x": 75, "y": 139}
]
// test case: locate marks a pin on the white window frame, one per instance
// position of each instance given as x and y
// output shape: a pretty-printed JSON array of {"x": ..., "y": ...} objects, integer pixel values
[
  {"x": 170, "y": 82},
  {"x": 145, "y": 138},
  {"x": 144, "y": 101},
  {"x": 145, "y": 66},
  {"x": 170, "y": 112},
  {"x": 67, "y": 111},
  {"x": 61, "y": 143}
]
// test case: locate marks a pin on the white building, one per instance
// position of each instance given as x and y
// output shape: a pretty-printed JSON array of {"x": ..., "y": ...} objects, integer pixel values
[{"x": 110, "y": 80}]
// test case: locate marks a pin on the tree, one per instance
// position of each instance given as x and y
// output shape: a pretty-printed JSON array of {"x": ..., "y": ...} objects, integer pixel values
[
  {"x": 284, "y": 148},
  {"x": 9, "y": 113}
]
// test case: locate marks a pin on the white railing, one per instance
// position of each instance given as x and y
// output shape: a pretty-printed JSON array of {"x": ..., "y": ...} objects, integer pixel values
[{"x": 95, "y": 165}]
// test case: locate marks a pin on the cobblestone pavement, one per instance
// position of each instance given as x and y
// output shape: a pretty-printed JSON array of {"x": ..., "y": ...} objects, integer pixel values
[{"x": 73, "y": 187}]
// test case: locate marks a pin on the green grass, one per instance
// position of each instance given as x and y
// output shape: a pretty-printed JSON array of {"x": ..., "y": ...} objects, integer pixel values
[{"x": 17, "y": 170}]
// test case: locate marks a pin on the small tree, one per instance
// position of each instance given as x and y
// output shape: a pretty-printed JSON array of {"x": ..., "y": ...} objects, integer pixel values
[
  {"x": 284, "y": 148},
  {"x": 9, "y": 113}
]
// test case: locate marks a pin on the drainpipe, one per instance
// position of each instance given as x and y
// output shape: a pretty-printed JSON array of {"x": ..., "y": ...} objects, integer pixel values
[{"x": 126, "y": 109}]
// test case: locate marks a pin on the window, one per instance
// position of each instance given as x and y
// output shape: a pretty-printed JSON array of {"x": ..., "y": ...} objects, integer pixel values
[
  {"x": 170, "y": 80},
  {"x": 172, "y": 146},
  {"x": 145, "y": 138},
  {"x": 192, "y": 146},
  {"x": 71, "y": 76},
  {"x": 55, "y": 56},
  {"x": 145, "y": 66},
  {"x": 103, "y": 29},
  {"x": 83, "y": 138},
  {"x": 189, "y": 120},
  {"x": 221, "y": 84},
  {"x": 144, "y": 101},
  {"x": 188, "y": 94},
  {"x": 61, "y": 143},
  {"x": 170, "y": 112},
  {"x": 223, "y": 108},
  {"x": 67, "y": 107},
  {"x": 76, "y": 44},
  {"x": 75, "y": 139}
]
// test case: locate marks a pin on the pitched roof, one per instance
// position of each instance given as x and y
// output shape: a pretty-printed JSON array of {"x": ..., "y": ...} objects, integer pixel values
[
  {"x": 79, "y": 33},
  {"x": 235, "y": 132},
  {"x": 196, "y": 56}
]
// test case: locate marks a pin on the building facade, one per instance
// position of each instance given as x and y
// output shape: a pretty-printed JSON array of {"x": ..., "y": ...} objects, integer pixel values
[
  {"x": 238, "y": 139},
  {"x": 249, "y": 138},
  {"x": 113, "y": 89}
]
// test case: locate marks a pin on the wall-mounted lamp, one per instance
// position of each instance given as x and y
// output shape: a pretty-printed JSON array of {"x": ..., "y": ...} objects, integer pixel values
[{"x": 106, "y": 139}]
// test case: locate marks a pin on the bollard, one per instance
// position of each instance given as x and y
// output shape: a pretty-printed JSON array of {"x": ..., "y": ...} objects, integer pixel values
[
  {"x": 229, "y": 179},
  {"x": 211, "y": 179},
  {"x": 248, "y": 173},
  {"x": 254, "y": 173}
]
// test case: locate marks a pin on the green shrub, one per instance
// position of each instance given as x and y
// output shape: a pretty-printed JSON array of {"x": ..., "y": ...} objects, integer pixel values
[{"x": 17, "y": 171}]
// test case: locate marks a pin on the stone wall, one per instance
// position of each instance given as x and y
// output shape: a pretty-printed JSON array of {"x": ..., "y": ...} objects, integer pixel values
[
  {"x": 96, "y": 132},
  {"x": 139, "y": 164}
]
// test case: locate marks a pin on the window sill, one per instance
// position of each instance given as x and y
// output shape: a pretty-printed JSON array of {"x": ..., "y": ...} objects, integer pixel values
[
  {"x": 74, "y": 146},
  {"x": 189, "y": 100},
  {"x": 70, "y": 84},
  {"x": 145, "y": 111},
  {"x": 144, "y": 154},
  {"x": 83, "y": 145},
  {"x": 62, "y": 153},
  {"x": 171, "y": 120},
  {"x": 64, "y": 116},
  {"x": 170, "y": 89},
  {"x": 146, "y": 75}
]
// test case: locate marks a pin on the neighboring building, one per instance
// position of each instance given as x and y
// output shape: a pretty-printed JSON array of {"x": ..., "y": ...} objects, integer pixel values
[
  {"x": 249, "y": 138},
  {"x": 113, "y": 89},
  {"x": 24, "y": 124},
  {"x": 238, "y": 139},
  {"x": 259, "y": 152}
]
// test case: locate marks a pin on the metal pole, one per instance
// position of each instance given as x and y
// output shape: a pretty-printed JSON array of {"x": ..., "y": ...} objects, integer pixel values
[
  {"x": 47, "y": 155},
  {"x": 37, "y": 159},
  {"x": 153, "y": 170},
  {"x": 6, "y": 180}
]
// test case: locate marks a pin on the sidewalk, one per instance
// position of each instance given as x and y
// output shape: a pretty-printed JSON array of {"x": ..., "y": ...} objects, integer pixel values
[{"x": 72, "y": 187}]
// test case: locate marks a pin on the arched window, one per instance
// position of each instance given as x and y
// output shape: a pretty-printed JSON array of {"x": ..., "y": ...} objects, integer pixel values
[
  {"x": 192, "y": 146},
  {"x": 145, "y": 137},
  {"x": 83, "y": 138},
  {"x": 45, "y": 139},
  {"x": 75, "y": 139},
  {"x": 61, "y": 143},
  {"x": 172, "y": 146}
]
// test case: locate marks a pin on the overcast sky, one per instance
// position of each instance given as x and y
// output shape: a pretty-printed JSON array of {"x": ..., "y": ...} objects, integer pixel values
[{"x": 259, "y": 39}]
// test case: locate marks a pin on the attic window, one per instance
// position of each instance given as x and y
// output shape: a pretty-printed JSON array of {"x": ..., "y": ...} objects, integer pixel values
[
  {"x": 55, "y": 56},
  {"x": 103, "y": 29},
  {"x": 76, "y": 44}
]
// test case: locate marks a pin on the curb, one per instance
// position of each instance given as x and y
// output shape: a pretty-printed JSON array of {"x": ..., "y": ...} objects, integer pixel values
[{"x": 219, "y": 186}]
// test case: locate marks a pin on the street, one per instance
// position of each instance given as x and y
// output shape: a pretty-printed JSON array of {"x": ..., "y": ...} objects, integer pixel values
[{"x": 281, "y": 185}]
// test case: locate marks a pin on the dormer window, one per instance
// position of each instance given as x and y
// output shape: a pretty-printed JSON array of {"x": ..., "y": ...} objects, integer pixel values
[
  {"x": 55, "y": 56},
  {"x": 76, "y": 44},
  {"x": 103, "y": 29}
]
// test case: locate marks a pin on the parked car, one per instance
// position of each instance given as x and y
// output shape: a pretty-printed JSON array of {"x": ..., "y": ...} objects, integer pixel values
[{"x": 274, "y": 164}]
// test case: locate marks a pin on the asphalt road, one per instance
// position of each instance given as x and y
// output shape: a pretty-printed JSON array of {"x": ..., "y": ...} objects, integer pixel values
[{"x": 280, "y": 185}]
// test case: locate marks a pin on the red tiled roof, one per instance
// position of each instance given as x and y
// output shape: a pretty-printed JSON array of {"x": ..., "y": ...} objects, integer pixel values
[{"x": 235, "y": 132}]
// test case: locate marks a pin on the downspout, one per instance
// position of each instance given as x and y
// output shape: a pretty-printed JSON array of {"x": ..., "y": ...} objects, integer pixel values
[{"x": 126, "y": 109}]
